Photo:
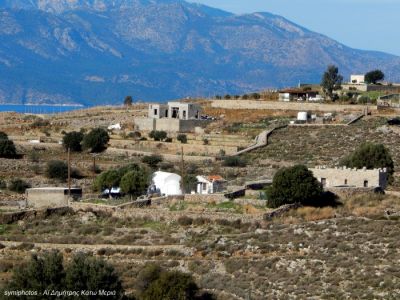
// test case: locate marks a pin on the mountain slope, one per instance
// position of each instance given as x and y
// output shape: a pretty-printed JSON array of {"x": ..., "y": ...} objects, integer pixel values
[{"x": 97, "y": 51}]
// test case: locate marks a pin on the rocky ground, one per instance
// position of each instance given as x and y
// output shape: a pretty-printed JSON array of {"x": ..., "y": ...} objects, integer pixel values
[{"x": 351, "y": 252}]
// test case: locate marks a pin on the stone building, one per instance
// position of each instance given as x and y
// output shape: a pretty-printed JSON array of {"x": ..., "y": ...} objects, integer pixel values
[
  {"x": 210, "y": 184},
  {"x": 172, "y": 117},
  {"x": 51, "y": 196},
  {"x": 347, "y": 177}
]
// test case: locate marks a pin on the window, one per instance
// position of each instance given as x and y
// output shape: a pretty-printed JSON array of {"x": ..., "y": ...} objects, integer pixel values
[
  {"x": 323, "y": 182},
  {"x": 155, "y": 112},
  {"x": 365, "y": 183},
  {"x": 345, "y": 181},
  {"x": 204, "y": 186},
  {"x": 184, "y": 114},
  {"x": 166, "y": 113},
  {"x": 175, "y": 113}
]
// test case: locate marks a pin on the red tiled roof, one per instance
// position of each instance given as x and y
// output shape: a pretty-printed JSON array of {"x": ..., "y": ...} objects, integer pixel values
[{"x": 215, "y": 178}]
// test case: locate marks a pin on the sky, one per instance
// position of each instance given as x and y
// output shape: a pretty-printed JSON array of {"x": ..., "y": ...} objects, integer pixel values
[{"x": 362, "y": 24}]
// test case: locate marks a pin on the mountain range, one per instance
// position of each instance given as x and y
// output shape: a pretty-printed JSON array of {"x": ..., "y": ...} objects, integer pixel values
[{"x": 98, "y": 51}]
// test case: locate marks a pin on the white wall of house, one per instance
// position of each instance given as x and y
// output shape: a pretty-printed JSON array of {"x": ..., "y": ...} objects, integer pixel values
[
  {"x": 357, "y": 79},
  {"x": 169, "y": 184}
]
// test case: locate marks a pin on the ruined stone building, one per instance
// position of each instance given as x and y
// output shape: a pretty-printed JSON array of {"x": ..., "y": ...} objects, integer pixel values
[{"x": 343, "y": 176}]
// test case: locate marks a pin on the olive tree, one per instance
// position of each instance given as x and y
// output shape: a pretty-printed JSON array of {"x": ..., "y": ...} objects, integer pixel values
[{"x": 295, "y": 184}]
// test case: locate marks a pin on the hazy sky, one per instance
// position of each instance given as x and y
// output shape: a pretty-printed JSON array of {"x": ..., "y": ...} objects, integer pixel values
[{"x": 363, "y": 24}]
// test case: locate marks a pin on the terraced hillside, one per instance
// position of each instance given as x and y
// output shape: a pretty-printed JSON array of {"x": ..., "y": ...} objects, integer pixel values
[{"x": 326, "y": 145}]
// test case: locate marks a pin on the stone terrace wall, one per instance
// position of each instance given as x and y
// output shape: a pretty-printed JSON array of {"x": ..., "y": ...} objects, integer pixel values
[
  {"x": 345, "y": 193},
  {"x": 296, "y": 106}
]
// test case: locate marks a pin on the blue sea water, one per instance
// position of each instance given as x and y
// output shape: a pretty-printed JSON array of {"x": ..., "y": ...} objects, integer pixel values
[{"x": 38, "y": 109}]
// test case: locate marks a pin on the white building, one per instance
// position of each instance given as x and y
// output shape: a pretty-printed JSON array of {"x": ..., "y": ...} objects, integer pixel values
[
  {"x": 357, "y": 79},
  {"x": 175, "y": 110},
  {"x": 169, "y": 184},
  {"x": 210, "y": 184}
]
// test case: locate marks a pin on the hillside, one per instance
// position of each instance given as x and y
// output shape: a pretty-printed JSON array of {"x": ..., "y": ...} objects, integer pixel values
[{"x": 92, "y": 52}]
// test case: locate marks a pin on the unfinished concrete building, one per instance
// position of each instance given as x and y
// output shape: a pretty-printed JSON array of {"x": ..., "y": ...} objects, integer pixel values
[
  {"x": 52, "y": 196},
  {"x": 172, "y": 117}
]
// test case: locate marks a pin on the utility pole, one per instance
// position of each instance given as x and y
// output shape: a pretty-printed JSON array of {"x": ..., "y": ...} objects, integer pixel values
[
  {"x": 69, "y": 172},
  {"x": 182, "y": 171}
]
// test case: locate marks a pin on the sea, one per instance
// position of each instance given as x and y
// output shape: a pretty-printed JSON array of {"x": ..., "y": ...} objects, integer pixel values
[{"x": 38, "y": 109}]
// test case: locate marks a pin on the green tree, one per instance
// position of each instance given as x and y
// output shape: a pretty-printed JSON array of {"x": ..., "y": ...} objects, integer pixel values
[
  {"x": 152, "y": 160},
  {"x": 171, "y": 286},
  {"x": 18, "y": 185},
  {"x": 128, "y": 101},
  {"x": 73, "y": 140},
  {"x": 39, "y": 274},
  {"x": 158, "y": 135},
  {"x": 7, "y": 149},
  {"x": 182, "y": 138},
  {"x": 331, "y": 81},
  {"x": 83, "y": 273},
  {"x": 374, "y": 76},
  {"x": 189, "y": 182},
  {"x": 371, "y": 156},
  {"x": 86, "y": 272},
  {"x": 96, "y": 140},
  {"x": 134, "y": 183},
  {"x": 294, "y": 185},
  {"x": 3, "y": 136},
  {"x": 57, "y": 169}
]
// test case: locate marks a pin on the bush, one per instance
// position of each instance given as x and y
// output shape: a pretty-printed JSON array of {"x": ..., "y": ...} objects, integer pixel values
[
  {"x": 169, "y": 286},
  {"x": 96, "y": 140},
  {"x": 57, "y": 169},
  {"x": 7, "y": 147},
  {"x": 18, "y": 186},
  {"x": 73, "y": 140},
  {"x": 182, "y": 138},
  {"x": 84, "y": 272},
  {"x": 294, "y": 185},
  {"x": 206, "y": 141},
  {"x": 152, "y": 160},
  {"x": 371, "y": 156},
  {"x": 136, "y": 135},
  {"x": 185, "y": 221},
  {"x": 158, "y": 135},
  {"x": 234, "y": 161}
]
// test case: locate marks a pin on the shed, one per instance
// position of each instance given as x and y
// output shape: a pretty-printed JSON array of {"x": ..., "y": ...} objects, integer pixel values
[
  {"x": 210, "y": 184},
  {"x": 169, "y": 184},
  {"x": 51, "y": 196}
]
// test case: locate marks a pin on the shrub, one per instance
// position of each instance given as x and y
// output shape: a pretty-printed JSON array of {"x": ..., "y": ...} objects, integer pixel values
[
  {"x": 136, "y": 135},
  {"x": 18, "y": 186},
  {"x": 152, "y": 160},
  {"x": 371, "y": 156},
  {"x": 182, "y": 138},
  {"x": 96, "y": 140},
  {"x": 73, "y": 140},
  {"x": 84, "y": 272},
  {"x": 234, "y": 161},
  {"x": 294, "y": 185},
  {"x": 7, "y": 147},
  {"x": 158, "y": 135},
  {"x": 206, "y": 141},
  {"x": 185, "y": 221},
  {"x": 57, "y": 169},
  {"x": 171, "y": 285}
]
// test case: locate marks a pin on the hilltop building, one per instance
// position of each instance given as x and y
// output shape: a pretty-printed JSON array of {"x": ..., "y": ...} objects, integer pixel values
[{"x": 172, "y": 117}]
